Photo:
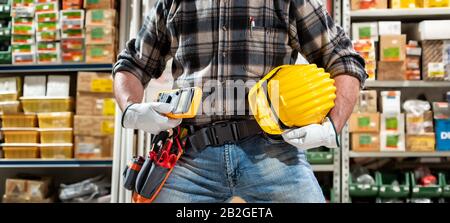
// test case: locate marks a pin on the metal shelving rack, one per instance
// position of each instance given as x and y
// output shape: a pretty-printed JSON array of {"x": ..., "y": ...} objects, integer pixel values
[
  {"x": 431, "y": 87},
  {"x": 35, "y": 68},
  {"x": 41, "y": 163}
]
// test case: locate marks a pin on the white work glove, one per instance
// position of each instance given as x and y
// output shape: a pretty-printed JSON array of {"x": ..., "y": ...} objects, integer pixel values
[
  {"x": 312, "y": 136},
  {"x": 149, "y": 117}
]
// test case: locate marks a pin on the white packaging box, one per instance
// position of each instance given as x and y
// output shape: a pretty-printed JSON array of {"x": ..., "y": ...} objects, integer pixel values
[
  {"x": 434, "y": 30},
  {"x": 389, "y": 28},
  {"x": 392, "y": 122},
  {"x": 390, "y": 102},
  {"x": 58, "y": 85},
  {"x": 392, "y": 141},
  {"x": 34, "y": 86},
  {"x": 8, "y": 85},
  {"x": 365, "y": 28}
]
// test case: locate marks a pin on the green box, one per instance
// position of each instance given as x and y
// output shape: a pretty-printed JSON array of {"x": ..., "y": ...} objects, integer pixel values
[{"x": 387, "y": 190}]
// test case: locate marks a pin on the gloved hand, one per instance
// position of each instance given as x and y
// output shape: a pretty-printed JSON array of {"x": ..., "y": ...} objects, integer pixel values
[
  {"x": 149, "y": 117},
  {"x": 312, "y": 136}
]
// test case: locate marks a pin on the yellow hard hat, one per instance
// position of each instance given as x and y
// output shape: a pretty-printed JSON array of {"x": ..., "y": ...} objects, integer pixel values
[{"x": 292, "y": 96}]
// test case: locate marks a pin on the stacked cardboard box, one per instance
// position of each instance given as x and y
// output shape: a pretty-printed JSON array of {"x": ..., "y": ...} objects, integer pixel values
[
  {"x": 100, "y": 31},
  {"x": 72, "y": 4},
  {"x": 366, "y": 48},
  {"x": 392, "y": 57},
  {"x": 94, "y": 120},
  {"x": 73, "y": 38},
  {"x": 47, "y": 31},
  {"x": 24, "y": 190},
  {"x": 364, "y": 123},
  {"x": 23, "y": 31},
  {"x": 5, "y": 32},
  {"x": 392, "y": 123}
]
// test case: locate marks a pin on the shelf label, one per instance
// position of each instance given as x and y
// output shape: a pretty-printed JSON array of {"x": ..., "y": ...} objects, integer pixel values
[{"x": 109, "y": 106}]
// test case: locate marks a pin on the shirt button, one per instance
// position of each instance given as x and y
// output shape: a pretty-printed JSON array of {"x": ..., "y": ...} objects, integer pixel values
[{"x": 224, "y": 28}]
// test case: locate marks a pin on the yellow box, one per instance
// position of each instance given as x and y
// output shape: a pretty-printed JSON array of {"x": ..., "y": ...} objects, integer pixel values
[
  {"x": 20, "y": 135},
  {"x": 8, "y": 96},
  {"x": 366, "y": 142},
  {"x": 57, "y": 135},
  {"x": 421, "y": 143},
  {"x": 411, "y": 4},
  {"x": 364, "y": 122},
  {"x": 19, "y": 120},
  {"x": 436, "y": 3},
  {"x": 47, "y": 104},
  {"x": 56, "y": 151},
  {"x": 20, "y": 151},
  {"x": 55, "y": 120},
  {"x": 95, "y": 103},
  {"x": 10, "y": 107}
]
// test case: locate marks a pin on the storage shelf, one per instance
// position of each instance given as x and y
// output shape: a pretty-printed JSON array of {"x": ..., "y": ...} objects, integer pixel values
[
  {"x": 401, "y": 14},
  {"x": 383, "y": 84},
  {"x": 42, "y": 163},
  {"x": 399, "y": 154},
  {"x": 322, "y": 167},
  {"x": 54, "y": 68}
]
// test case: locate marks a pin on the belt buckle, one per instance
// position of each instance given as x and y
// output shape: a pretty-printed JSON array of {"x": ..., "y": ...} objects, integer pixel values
[{"x": 223, "y": 132}]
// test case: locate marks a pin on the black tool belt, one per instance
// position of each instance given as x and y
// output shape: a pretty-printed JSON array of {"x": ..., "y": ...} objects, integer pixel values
[{"x": 220, "y": 133}]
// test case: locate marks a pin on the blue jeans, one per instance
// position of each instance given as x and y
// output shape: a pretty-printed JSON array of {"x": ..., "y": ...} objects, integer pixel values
[{"x": 257, "y": 169}]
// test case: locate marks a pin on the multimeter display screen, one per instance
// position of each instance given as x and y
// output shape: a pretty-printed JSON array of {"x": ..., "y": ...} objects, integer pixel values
[{"x": 180, "y": 99}]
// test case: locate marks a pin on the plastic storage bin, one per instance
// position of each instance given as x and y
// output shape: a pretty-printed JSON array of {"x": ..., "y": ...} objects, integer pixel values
[
  {"x": 446, "y": 186},
  {"x": 8, "y": 96},
  {"x": 387, "y": 190},
  {"x": 56, "y": 135},
  {"x": 20, "y": 151},
  {"x": 19, "y": 120},
  {"x": 433, "y": 191},
  {"x": 320, "y": 156},
  {"x": 47, "y": 104},
  {"x": 362, "y": 190},
  {"x": 20, "y": 135},
  {"x": 55, "y": 120},
  {"x": 56, "y": 151},
  {"x": 9, "y": 107}
]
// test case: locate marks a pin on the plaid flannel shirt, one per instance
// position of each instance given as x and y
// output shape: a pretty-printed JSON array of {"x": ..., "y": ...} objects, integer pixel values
[{"x": 236, "y": 40}]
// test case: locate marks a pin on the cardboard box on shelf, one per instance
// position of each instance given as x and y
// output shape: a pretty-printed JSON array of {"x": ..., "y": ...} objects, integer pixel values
[
  {"x": 48, "y": 57},
  {"x": 412, "y": 61},
  {"x": 58, "y": 85},
  {"x": 365, "y": 30},
  {"x": 368, "y": 4},
  {"x": 392, "y": 122},
  {"x": 15, "y": 187},
  {"x": 28, "y": 189},
  {"x": 391, "y": 70},
  {"x": 389, "y": 28},
  {"x": 420, "y": 143},
  {"x": 364, "y": 122},
  {"x": 392, "y": 141},
  {"x": 419, "y": 124},
  {"x": 93, "y": 125},
  {"x": 93, "y": 147},
  {"x": 73, "y": 56},
  {"x": 72, "y": 44},
  {"x": 435, "y": 58},
  {"x": 9, "y": 84},
  {"x": 367, "y": 102},
  {"x": 23, "y": 48},
  {"x": 48, "y": 36},
  {"x": 43, "y": 17},
  {"x": 46, "y": 7},
  {"x": 366, "y": 142},
  {"x": 100, "y": 34},
  {"x": 23, "y": 58},
  {"x": 392, "y": 47},
  {"x": 100, "y": 53},
  {"x": 433, "y": 30},
  {"x": 34, "y": 85},
  {"x": 95, "y": 82},
  {"x": 441, "y": 110},
  {"x": 99, "y": 4},
  {"x": 72, "y": 14},
  {"x": 366, "y": 49},
  {"x": 95, "y": 104},
  {"x": 72, "y": 4},
  {"x": 22, "y": 39},
  {"x": 390, "y": 102},
  {"x": 102, "y": 17}
]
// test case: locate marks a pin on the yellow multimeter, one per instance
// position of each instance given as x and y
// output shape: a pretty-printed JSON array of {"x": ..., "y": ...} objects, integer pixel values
[{"x": 185, "y": 101}]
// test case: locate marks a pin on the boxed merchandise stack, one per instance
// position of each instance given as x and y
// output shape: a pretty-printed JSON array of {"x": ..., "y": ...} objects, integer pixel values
[
  {"x": 364, "y": 123},
  {"x": 5, "y": 32},
  {"x": 47, "y": 97},
  {"x": 23, "y": 31},
  {"x": 94, "y": 120},
  {"x": 10, "y": 89},
  {"x": 47, "y": 31},
  {"x": 442, "y": 125},
  {"x": 436, "y": 49},
  {"x": 34, "y": 190},
  {"x": 419, "y": 126},
  {"x": 100, "y": 31},
  {"x": 412, "y": 61},
  {"x": 364, "y": 36},
  {"x": 369, "y": 4},
  {"x": 392, "y": 123},
  {"x": 73, "y": 33},
  {"x": 392, "y": 50}
]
